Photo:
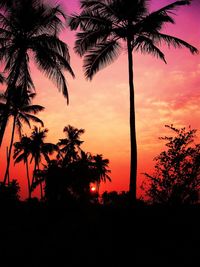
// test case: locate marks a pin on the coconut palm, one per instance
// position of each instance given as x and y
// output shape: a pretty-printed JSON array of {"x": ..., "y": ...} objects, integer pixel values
[
  {"x": 70, "y": 146},
  {"x": 21, "y": 153},
  {"x": 101, "y": 170},
  {"x": 108, "y": 26},
  {"x": 22, "y": 112},
  {"x": 39, "y": 150},
  {"x": 29, "y": 32}
]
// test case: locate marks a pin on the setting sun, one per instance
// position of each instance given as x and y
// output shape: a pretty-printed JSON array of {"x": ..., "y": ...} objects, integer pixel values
[{"x": 93, "y": 189}]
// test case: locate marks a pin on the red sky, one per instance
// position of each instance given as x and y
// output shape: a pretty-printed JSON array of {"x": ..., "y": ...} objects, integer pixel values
[{"x": 165, "y": 94}]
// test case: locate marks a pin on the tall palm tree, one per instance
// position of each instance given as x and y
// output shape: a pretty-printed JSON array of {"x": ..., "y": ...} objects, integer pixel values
[
  {"x": 39, "y": 149},
  {"x": 21, "y": 153},
  {"x": 108, "y": 26},
  {"x": 101, "y": 170},
  {"x": 70, "y": 146},
  {"x": 29, "y": 31},
  {"x": 22, "y": 112}
]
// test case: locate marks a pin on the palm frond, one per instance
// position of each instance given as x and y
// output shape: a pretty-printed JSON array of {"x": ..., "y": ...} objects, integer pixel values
[
  {"x": 89, "y": 20},
  {"x": 50, "y": 21},
  {"x": 5, "y": 22},
  {"x": 22, "y": 118},
  {"x": 2, "y": 78},
  {"x": 32, "y": 109},
  {"x": 173, "y": 41},
  {"x": 146, "y": 45},
  {"x": 52, "y": 71},
  {"x": 34, "y": 119},
  {"x": 19, "y": 158},
  {"x": 103, "y": 7},
  {"x": 152, "y": 22},
  {"x": 173, "y": 6},
  {"x": 52, "y": 43},
  {"x": 24, "y": 78},
  {"x": 156, "y": 19},
  {"x": 88, "y": 39},
  {"x": 100, "y": 56}
]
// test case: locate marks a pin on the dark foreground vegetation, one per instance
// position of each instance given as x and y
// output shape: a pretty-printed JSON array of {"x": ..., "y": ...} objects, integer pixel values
[
  {"x": 38, "y": 234},
  {"x": 72, "y": 225}
]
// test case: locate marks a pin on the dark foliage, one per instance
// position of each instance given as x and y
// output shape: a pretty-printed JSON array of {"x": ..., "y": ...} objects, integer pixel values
[
  {"x": 70, "y": 175},
  {"x": 9, "y": 192},
  {"x": 176, "y": 179}
]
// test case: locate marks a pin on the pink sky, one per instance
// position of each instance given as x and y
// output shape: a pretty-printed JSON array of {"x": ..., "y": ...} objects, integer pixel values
[{"x": 165, "y": 94}]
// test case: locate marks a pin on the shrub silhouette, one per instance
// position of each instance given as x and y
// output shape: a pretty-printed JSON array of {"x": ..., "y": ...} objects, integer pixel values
[
  {"x": 176, "y": 179},
  {"x": 9, "y": 192}
]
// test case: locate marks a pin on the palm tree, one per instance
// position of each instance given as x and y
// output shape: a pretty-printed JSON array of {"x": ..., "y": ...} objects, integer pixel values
[
  {"x": 39, "y": 149},
  {"x": 101, "y": 170},
  {"x": 22, "y": 112},
  {"x": 70, "y": 146},
  {"x": 105, "y": 25},
  {"x": 21, "y": 153},
  {"x": 29, "y": 31}
]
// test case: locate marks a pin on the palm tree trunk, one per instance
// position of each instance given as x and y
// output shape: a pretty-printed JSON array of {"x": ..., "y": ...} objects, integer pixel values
[
  {"x": 28, "y": 179},
  {"x": 7, "y": 163},
  {"x": 9, "y": 152},
  {"x": 4, "y": 120},
  {"x": 41, "y": 191},
  {"x": 133, "y": 143},
  {"x": 33, "y": 179},
  {"x": 10, "y": 88}
]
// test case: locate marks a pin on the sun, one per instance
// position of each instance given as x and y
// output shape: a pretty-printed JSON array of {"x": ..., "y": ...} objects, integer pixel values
[{"x": 93, "y": 189}]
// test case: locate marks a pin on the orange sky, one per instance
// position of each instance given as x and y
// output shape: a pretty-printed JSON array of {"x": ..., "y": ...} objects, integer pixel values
[{"x": 165, "y": 94}]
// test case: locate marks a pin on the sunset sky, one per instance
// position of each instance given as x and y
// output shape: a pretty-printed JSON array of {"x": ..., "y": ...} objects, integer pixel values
[{"x": 165, "y": 94}]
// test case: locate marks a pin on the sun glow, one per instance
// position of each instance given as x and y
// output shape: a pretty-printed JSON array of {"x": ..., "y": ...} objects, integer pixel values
[{"x": 93, "y": 189}]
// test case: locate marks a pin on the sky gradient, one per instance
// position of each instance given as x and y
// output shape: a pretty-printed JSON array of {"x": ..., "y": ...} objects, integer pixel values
[{"x": 165, "y": 94}]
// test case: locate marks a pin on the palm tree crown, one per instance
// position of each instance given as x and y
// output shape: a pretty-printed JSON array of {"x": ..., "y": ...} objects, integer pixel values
[
  {"x": 31, "y": 25},
  {"x": 70, "y": 146},
  {"x": 38, "y": 147},
  {"x": 38, "y": 150},
  {"x": 29, "y": 32},
  {"x": 20, "y": 108},
  {"x": 22, "y": 112},
  {"x": 104, "y": 24}
]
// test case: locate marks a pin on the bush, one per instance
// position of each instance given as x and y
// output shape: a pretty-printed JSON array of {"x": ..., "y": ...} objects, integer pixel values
[
  {"x": 9, "y": 192},
  {"x": 176, "y": 179}
]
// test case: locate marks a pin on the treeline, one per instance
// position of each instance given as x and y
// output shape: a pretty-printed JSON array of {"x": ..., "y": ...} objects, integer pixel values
[{"x": 63, "y": 170}]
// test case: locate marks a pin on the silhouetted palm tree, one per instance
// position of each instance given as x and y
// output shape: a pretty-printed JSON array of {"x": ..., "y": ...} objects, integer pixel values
[
  {"x": 21, "y": 110},
  {"x": 39, "y": 149},
  {"x": 101, "y": 170},
  {"x": 70, "y": 146},
  {"x": 81, "y": 175},
  {"x": 21, "y": 153},
  {"x": 105, "y": 26},
  {"x": 29, "y": 31}
]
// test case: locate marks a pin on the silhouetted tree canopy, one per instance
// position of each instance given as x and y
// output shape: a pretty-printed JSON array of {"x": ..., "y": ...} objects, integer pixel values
[
  {"x": 176, "y": 178},
  {"x": 71, "y": 173}
]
